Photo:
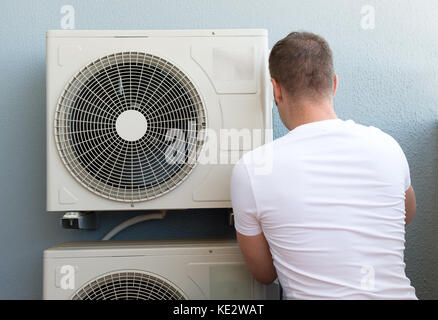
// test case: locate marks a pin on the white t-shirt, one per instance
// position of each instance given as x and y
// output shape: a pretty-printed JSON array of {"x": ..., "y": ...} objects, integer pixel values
[{"x": 329, "y": 197}]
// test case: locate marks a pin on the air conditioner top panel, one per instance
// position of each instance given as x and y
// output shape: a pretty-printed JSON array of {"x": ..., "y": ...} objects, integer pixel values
[
  {"x": 156, "y": 33},
  {"x": 146, "y": 247}
]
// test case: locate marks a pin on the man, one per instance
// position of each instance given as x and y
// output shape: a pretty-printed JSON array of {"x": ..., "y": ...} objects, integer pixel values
[{"x": 329, "y": 218}]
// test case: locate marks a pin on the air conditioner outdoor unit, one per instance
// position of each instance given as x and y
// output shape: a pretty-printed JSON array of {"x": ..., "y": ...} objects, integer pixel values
[
  {"x": 150, "y": 270},
  {"x": 134, "y": 118}
]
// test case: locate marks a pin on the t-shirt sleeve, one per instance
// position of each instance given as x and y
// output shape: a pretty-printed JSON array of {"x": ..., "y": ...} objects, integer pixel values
[
  {"x": 407, "y": 174},
  {"x": 404, "y": 164},
  {"x": 244, "y": 205}
]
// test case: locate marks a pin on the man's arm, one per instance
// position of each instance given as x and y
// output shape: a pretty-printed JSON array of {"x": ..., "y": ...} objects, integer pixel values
[
  {"x": 249, "y": 232},
  {"x": 410, "y": 205},
  {"x": 257, "y": 256}
]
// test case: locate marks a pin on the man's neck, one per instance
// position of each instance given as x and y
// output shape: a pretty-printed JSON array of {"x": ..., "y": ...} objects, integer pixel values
[{"x": 310, "y": 113}]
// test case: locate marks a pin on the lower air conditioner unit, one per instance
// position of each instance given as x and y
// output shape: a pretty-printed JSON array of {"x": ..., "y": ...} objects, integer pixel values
[{"x": 150, "y": 270}]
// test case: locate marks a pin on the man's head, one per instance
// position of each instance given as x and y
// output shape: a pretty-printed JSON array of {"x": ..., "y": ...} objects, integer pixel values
[{"x": 301, "y": 67}]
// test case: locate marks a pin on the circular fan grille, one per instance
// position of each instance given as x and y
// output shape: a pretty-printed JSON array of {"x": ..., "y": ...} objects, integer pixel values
[
  {"x": 129, "y": 126},
  {"x": 133, "y": 285}
]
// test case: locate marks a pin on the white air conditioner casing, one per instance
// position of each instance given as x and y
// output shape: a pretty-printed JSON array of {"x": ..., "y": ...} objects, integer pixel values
[
  {"x": 157, "y": 269},
  {"x": 218, "y": 79}
]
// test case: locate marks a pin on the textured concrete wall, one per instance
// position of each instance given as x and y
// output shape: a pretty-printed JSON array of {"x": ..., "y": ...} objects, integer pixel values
[{"x": 388, "y": 78}]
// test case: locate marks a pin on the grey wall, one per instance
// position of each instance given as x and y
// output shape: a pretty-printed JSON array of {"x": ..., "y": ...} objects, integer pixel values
[{"x": 388, "y": 78}]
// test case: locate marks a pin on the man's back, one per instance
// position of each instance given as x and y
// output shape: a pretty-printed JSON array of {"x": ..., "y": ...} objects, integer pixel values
[{"x": 332, "y": 210}]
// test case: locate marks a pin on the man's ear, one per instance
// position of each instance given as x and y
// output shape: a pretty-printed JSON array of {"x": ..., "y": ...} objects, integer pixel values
[
  {"x": 278, "y": 95},
  {"x": 335, "y": 84}
]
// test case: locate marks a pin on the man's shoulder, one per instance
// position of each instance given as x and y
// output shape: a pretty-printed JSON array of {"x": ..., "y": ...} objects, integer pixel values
[
  {"x": 380, "y": 135},
  {"x": 261, "y": 160},
  {"x": 260, "y": 154}
]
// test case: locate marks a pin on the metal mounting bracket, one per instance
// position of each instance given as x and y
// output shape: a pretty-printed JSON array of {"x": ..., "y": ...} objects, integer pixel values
[{"x": 79, "y": 220}]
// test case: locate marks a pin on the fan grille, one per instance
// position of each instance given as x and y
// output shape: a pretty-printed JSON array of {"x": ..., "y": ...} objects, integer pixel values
[
  {"x": 144, "y": 157},
  {"x": 133, "y": 285}
]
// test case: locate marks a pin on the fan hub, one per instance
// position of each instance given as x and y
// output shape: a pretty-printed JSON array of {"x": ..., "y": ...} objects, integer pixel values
[{"x": 131, "y": 125}]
